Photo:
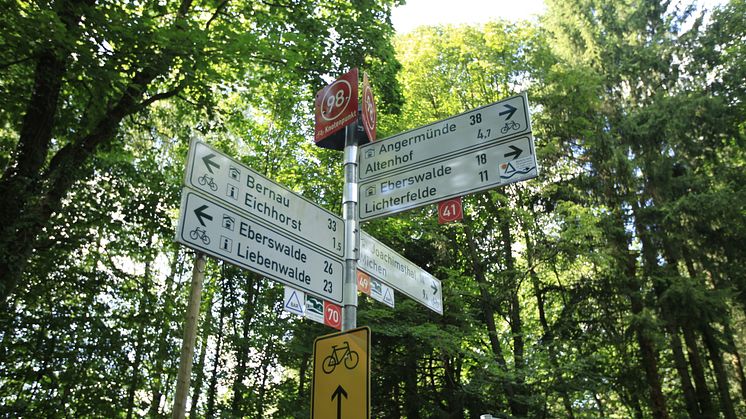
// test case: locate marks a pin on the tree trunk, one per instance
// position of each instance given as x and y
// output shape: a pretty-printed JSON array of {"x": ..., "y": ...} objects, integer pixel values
[
  {"x": 519, "y": 408},
  {"x": 242, "y": 349},
  {"x": 698, "y": 371},
  {"x": 200, "y": 367},
  {"x": 721, "y": 377},
  {"x": 164, "y": 325},
  {"x": 213, "y": 387},
  {"x": 489, "y": 316},
  {"x": 547, "y": 337}
]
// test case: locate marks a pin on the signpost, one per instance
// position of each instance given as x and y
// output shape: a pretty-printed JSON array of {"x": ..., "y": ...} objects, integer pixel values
[
  {"x": 492, "y": 165},
  {"x": 223, "y": 233},
  {"x": 232, "y": 183},
  {"x": 335, "y": 108},
  {"x": 383, "y": 263},
  {"x": 341, "y": 375},
  {"x": 443, "y": 140}
]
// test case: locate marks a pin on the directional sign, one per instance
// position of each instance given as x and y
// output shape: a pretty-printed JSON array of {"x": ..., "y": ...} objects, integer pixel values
[
  {"x": 237, "y": 185},
  {"x": 493, "y": 165},
  {"x": 226, "y": 234},
  {"x": 383, "y": 263},
  {"x": 341, "y": 375},
  {"x": 336, "y": 107},
  {"x": 444, "y": 139}
]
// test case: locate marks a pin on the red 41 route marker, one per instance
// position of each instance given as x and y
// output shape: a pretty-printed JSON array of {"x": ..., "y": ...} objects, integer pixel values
[
  {"x": 450, "y": 210},
  {"x": 335, "y": 108}
]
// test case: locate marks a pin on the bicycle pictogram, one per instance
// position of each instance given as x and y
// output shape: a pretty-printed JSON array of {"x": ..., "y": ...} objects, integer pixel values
[
  {"x": 510, "y": 125},
  {"x": 200, "y": 233},
  {"x": 207, "y": 180},
  {"x": 348, "y": 357}
]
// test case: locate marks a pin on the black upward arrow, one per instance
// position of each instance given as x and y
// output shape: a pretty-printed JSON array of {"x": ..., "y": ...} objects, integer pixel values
[
  {"x": 516, "y": 152},
  {"x": 511, "y": 110},
  {"x": 201, "y": 214},
  {"x": 208, "y": 162},
  {"x": 338, "y": 393}
]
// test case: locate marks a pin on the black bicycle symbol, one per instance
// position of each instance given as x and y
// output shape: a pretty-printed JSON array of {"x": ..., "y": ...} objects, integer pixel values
[
  {"x": 350, "y": 358},
  {"x": 207, "y": 180},
  {"x": 200, "y": 233},
  {"x": 510, "y": 125}
]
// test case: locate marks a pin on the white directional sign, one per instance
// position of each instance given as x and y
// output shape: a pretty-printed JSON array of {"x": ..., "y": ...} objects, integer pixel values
[
  {"x": 444, "y": 139},
  {"x": 239, "y": 186},
  {"x": 383, "y": 263},
  {"x": 492, "y": 165},
  {"x": 261, "y": 247}
]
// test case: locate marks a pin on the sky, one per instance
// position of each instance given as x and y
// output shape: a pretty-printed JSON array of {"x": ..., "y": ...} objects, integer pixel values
[
  {"x": 435, "y": 12},
  {"x": 440, "y": 12}
]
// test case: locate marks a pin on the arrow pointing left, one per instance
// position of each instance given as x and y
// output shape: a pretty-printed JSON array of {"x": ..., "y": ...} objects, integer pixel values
[
  {"x": 208, "y": 162},
  {"x": 201, "y": 214}
]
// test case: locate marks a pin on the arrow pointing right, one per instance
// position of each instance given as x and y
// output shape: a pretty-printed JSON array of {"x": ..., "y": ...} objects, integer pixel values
[
  {"x": 201, "y": 214},
  {"x": 338, "y": 393},
  {"x": 516, "y": 152},
  {"x": 208, "y": 162},
  {"x": 511, "y": 110}
]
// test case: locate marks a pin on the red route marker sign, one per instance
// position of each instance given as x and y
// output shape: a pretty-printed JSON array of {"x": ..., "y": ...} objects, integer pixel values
[
  {"x": 450, "y": 210},
  {"x": 369, "y": 110},
  {"x": 336, "y": 107},
  {"x": 363, "y": 282},
  {"x": 332, "y": 315}
]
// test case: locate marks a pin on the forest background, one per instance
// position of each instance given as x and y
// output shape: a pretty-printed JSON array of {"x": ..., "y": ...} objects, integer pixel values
[{"x": 613, "y": 285}]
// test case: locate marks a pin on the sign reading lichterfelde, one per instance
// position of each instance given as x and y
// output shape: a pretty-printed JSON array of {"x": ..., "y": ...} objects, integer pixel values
[{"x": 496, "y": 164}]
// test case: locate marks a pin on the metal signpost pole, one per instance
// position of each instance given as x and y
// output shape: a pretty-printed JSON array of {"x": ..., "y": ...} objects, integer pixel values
[{"x": 352, "y": 231}]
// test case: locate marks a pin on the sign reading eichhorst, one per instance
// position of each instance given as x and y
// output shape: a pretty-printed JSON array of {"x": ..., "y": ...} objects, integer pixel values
[
  {"x": 383, "y": 263},
  {"x": 495, "y": 164},
  {"x": 442, "y": 140},
  {"x": 239, "y": 186},
  {"x": 336, "y": 107},
  {"x": 226, "y": 234}
]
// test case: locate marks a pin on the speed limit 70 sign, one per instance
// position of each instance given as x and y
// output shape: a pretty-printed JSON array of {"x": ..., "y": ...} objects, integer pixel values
[{"x": 336, "y": 107}]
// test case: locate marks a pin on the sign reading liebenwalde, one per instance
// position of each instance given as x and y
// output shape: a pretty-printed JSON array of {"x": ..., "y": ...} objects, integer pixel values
[
  {"x": 234, "y": 184},
  {"x": 249, "y": 243},
  {"x": 471, "y": 152}
]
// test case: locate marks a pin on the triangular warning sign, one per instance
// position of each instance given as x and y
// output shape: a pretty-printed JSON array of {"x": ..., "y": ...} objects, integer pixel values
[
  {"x": 387, "y": 297},
  {"x": 509, "y": 168},
  {"x": 293, "y": 304}
]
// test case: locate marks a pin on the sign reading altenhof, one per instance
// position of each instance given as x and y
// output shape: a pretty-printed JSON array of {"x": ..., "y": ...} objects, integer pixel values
[
  {"x": 474, "y": 151},
  {"x": 439, "y": 140}
]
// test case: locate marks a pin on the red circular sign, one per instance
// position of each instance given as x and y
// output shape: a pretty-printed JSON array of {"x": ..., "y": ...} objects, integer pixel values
[
  {"x": 450, "y": 210},
  {"x": 332, "y": 315},
  {"x": 335, "y": 100}
]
